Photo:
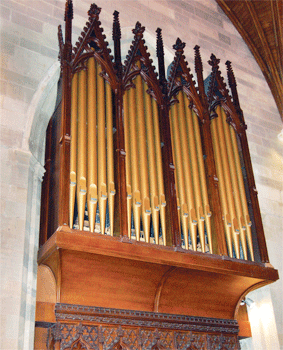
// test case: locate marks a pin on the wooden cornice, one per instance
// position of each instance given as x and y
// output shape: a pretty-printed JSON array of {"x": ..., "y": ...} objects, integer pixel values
[{"x": 260, "y": 25}]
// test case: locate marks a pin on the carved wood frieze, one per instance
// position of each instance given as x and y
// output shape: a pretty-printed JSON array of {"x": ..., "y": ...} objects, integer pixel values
[{"x": 83, "y": 327}]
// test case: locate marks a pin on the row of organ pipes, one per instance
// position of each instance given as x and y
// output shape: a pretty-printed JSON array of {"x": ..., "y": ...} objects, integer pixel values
[{"x": 92, "y": 187}]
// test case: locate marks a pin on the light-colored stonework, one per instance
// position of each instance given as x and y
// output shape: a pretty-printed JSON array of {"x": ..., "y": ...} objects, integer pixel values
[{"x": 29, "y": 74}]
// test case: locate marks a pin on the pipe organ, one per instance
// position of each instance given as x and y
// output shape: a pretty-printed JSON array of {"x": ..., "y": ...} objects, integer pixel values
[{"x": 149, "y": 208}]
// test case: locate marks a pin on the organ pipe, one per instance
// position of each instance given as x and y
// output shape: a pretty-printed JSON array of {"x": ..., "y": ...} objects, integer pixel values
[
  {"x": 92, "y": 143},
  {"x": 161, "y": 192},
  {"x": 152, "y": 169},
  {"x": 128, "y": 161},
  {"x": 81, "y": 159},
  {"x": 146, "y": 209},
  {"x": 222, "y": 191},
  {"x": 92, "y": 165},
  {"x": 242, "y": 192},
  {"x": 187, "y": 124},
  {"x": 101, "y": 150},
  {"x": 134, "y": 163},
  {"x": 73, "y": 157},
  {"x": 184, "y": 206},
  {"x": 204, "y": 193},
  {"x": 110, "y": 157}
]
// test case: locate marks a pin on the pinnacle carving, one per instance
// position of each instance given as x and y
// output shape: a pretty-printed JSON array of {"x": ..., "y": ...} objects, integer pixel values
[
  {"x": 69, "y": 12},
  {"x": 179, "y": 46},
  {"x": 214, "y": 62},
  {"x": 230, "y": 74},
  {"x": 198, "y": 60},
  {"x": 139, "y": 29},
  {"x": 94, "y": 11},
  {"x": 116, "y": 34}
]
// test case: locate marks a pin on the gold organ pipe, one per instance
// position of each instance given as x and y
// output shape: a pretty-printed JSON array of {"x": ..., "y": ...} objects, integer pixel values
[
  {"x": 222, "y": 191},
  {"x": 176, "y": 182},
  {"x": 134, "y": 163},
  {"x": 202, "y": 179},
  {"x": 187, "y": 125},
  {"x": 242, "y": 192},
  {"x": 146, "y": 210},
  {"x": 184, "y": 149},
  {"x": 180, "y": 177},
  {"x": 92, "y": 143},
  {"x": 228, "y": 185},
  {"x": 110, "y": 157},
  {"x": 73, "y": 162},
  {"x": 232, "y": 165},
  {"x": 128, "y": 160},
  {"x": 101, "y": 152},
  {"x": 152, "y": 164},
  {"x": 161, "y": 192},
  {"x": 81, "y": 157}
]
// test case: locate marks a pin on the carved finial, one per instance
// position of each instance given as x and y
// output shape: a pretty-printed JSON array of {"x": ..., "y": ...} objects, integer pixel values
[
  {"x": 116, "y": 34},
  {"x": 233, "y": 86},
  {"x": 198, "y": 60},
  {"x": 160, "y": 56},
  {"x": 159, "y": 43},
  {"x": 139, "y": 29},
  {"x": 214, "y": 62},
  {"x": 230, "y": 74},
  {"x": 94, "y": 11},
  {"x": 61, "y": 43},
  {"x": 179, "y": 46},
  {"x": 69, "y": 13}
]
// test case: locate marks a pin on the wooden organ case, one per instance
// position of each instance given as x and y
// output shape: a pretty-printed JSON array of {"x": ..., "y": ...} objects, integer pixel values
[{"x": 151, "y": 232}]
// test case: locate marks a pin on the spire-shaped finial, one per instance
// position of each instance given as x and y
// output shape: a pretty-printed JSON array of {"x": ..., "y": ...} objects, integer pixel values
[
  {"x": 116, "y": 36},
  {"x": 198, "y": 60},
  {"x": 139, "y": 29},
  {"x": 69, "y": 12},
  {"x": 179, "y": 46},
  {"x": 160, "y": 56},
  {"x": 116, "y": 33},
  {"x": 230, "y": 75},
  {"x": 233, "y": 86},
  {"x": 94, "y": 11},
  {"x": 214, "y": 62},
  {"x": 159, "y": 43}
]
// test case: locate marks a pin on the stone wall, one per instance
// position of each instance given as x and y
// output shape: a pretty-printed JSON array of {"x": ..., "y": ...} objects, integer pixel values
[{"x": 29, "y": 73}]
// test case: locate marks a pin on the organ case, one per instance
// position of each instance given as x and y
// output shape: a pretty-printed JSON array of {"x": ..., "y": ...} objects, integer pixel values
[{"x": 149, "y": 208}]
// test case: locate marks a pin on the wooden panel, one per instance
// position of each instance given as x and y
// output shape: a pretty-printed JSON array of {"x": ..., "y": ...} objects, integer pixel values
[
  {"x": 105, "y": 271},
  {"x": 91, "y": 279}
]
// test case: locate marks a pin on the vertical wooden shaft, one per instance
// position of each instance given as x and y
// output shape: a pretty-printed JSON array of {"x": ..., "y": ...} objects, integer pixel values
[
  {"x": 101, "y": 150},
  {"x": 204, "y": 192},
  {"x": 177, "y": 148},
  {"x": 222, "y": 192},
  {"x": 81, "y": 156},
  {"x": 242, "y": 192},
  {"x": 110, "y": 157},
  {"x": 134, "y": 163},
  {"x": 92, "y": 143},
  {"x": 235, "y": 185},
  {"x": 160, "y": 183},
  {"x": 146, "y": 209},
  {"x": 128, "y": 160},
  {"x": 195, "y": 172},
  {"x": 152, "y": 164},
  {"x": 73, "y": 160}
]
